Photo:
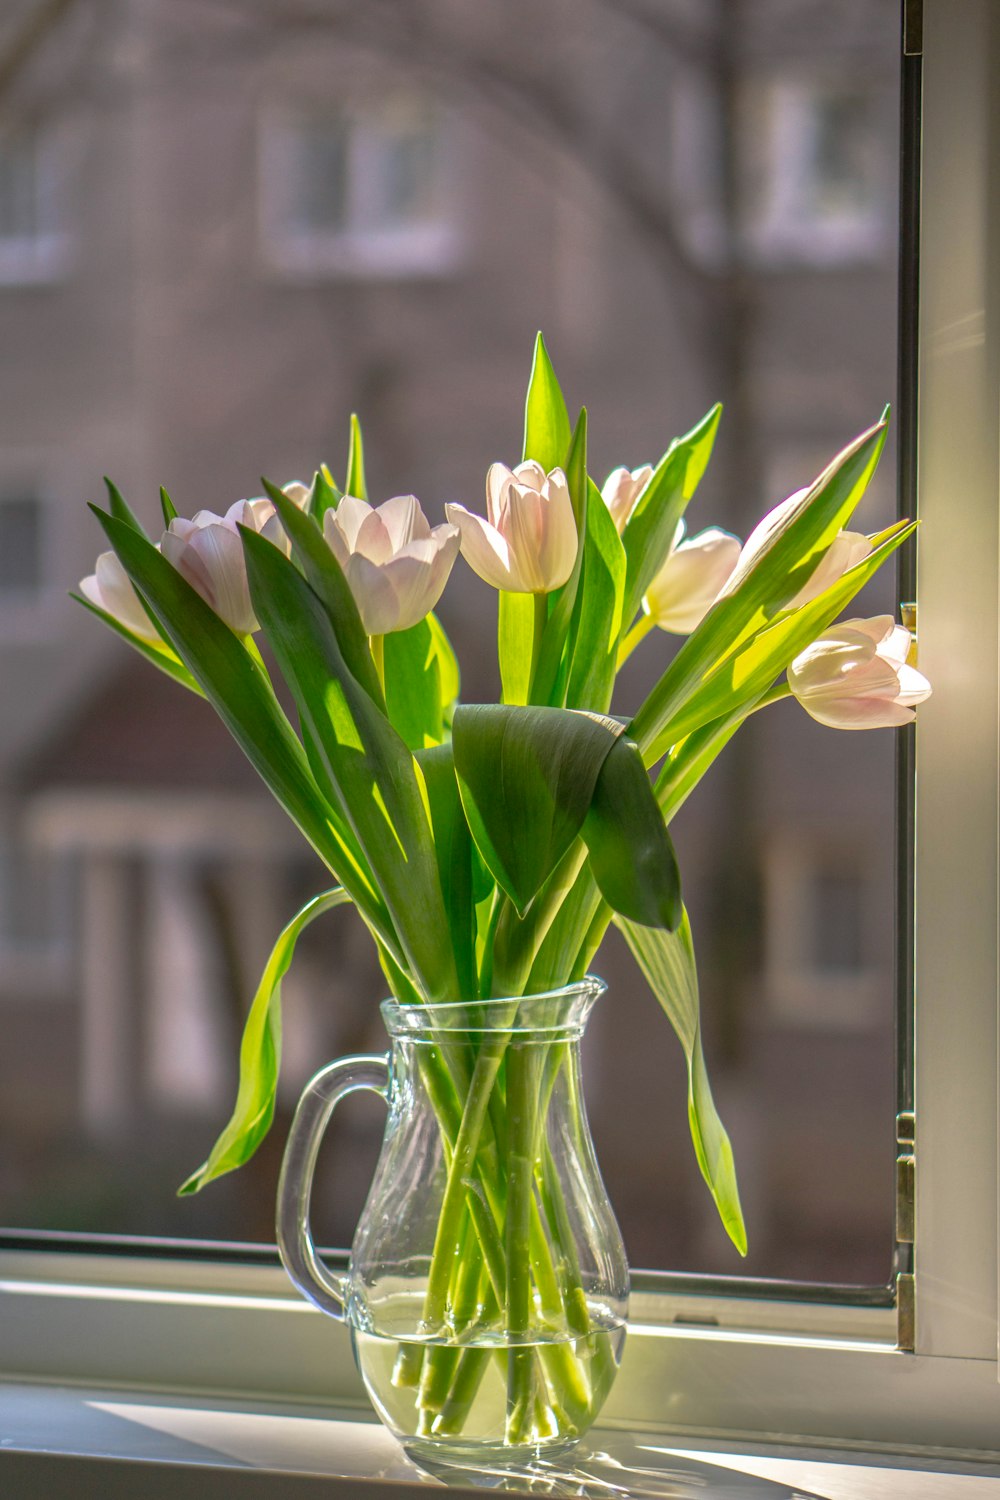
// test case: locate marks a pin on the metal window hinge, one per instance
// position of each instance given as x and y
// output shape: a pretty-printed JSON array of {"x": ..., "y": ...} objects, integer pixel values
[
  {"x": 905, "y": 1223},
  {"x": 913, "y": 28}
]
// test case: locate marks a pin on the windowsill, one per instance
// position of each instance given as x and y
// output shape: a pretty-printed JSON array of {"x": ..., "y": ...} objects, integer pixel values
[{"x": 56, "y": 1440}]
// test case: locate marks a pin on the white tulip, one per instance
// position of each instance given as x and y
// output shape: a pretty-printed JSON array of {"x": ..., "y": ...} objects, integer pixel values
[
  {"x": 527, "y": 544},
  {"x": 691, "y": 579},
  {"x": 846, "y": 549},
  {"x": 395, "y": 564},
  {"x": 622, "y": 489},
  {"x": 856, "y": 676},
  {"x": 110, "y": 588},
  {"x": 208, "y": 552}
]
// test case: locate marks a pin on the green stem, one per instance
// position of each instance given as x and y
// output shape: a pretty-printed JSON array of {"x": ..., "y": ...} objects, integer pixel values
[
  {"x": 521, "y": 1104},
  {"x": 540, "y": 620},
  {"x": 377, "y": 644}
]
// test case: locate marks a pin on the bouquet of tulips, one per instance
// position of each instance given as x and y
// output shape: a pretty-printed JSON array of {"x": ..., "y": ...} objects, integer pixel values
[{"x": 488, "y": 847}]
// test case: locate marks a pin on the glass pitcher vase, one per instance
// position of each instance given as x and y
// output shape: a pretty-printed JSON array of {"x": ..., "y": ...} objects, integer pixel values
[{"x": 487, "y": 1288}]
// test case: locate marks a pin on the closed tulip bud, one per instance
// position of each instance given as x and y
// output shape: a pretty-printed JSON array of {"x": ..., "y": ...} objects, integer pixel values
[
  {"x": 527, "y": 544},
  {"x": 691, "y": 579},
  {"x": 110, "y": 588},
  {"x": 395, "y": 564},
  {"x": 622, "y": 489},
  {"x": 208, "y": 552},
  {"x": 856, "y": 676},
  {"x": 846, "y": 549}
]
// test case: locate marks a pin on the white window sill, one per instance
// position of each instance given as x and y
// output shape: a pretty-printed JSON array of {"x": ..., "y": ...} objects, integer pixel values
[{"x": 64, "y": 1440}]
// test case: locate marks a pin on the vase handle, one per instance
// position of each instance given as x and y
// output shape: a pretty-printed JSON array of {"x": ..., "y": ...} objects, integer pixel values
[{"x": 295, "y": 1242}]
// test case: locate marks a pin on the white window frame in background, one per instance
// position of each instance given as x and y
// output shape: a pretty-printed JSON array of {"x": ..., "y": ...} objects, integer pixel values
[
  {"x": 756, "y": 1367},
  {"x": 363, "y": 247},
  {"x": 782, "y": 222}
]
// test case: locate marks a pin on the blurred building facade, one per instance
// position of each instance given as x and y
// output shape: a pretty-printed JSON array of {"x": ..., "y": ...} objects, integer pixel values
[{"x": 222, "y": 229}]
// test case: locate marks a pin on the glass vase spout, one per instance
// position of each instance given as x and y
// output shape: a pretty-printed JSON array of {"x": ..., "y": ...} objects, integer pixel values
[{"x": 487, "y": 1287}]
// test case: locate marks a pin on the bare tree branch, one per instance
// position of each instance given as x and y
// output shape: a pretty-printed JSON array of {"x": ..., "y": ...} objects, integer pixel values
[{"x": 37, "y": 26}]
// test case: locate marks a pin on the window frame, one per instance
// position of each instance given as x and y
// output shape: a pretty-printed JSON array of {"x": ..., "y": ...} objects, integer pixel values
[
  {"x": 359, "y": 249},
  {"x": 775, "y": 1364}
]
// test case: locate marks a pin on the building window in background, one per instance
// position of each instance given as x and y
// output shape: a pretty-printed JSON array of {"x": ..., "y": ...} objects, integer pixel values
[
  {"x": 824, "y": 959},
  {"x": 34, "y": 239},
  {"x": 22, "y": 568},
  {"x": 358, "y": 193},
  {"x": 818, "y": 172}
]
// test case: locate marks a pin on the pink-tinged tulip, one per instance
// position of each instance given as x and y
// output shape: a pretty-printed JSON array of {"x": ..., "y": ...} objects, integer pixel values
[
  {"x": 856, "y": 676},
  {"x": 110, "y": 588},
  {"x": 846, "y": 549},
  {"x": 208, "y": 552},
  {"x": 691, "y": 579},
  {"x": 622, "y": 489},
  {"x": 395, "y": 564},
  {"x": 527, "y": 544}
]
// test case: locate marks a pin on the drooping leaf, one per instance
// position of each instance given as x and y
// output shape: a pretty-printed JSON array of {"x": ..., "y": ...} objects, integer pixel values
[
  {"x": 598, "y": 621},
  {"x": 527, "y": 776},
  {"x": 355, "y": 483},
  {"x": 667, "y": 961},
  {"x": 160, "y": 655},
  {"x": 167, "y": 506},
  {"x": 260, "y": 1055},
  {"x": 650, "y": 529},
  {"x": 546, "y": 420},
  {"x": 367, "y": 765},
  {"x": 631, "y": 853},
  {"x": 454, "y": 849},
  {"x": 548, "y": 683},
  {"x": 421, "y": 682},
  {"x": 326, "y": 577},
  {"x": 754, "y": 598}
]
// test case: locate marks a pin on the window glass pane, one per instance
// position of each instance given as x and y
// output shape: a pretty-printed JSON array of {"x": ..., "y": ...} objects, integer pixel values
[{"x": 691, "y": 211}]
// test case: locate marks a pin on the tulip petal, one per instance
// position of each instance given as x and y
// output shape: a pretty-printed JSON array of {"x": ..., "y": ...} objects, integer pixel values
[
  {"x": 348, "y": 518},
  {"x": 691, "y": 579},
  {"x": 498, "y": 478},
  {"x": 403, "y": 520},
  {"x": 485, "y": 550}
]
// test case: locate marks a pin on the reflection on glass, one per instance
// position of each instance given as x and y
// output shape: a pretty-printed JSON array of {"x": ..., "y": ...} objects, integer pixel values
[{"x": 270, "y": 229}]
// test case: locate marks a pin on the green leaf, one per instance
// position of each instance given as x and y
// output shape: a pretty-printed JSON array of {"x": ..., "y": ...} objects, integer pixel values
[
  {"x": 631, "y": 854},
  {"x": 597, "y": 626},
  {"x": 167, "y": 506},
  {"x": 527, "y": 776},
  {"x": 649, "y": 532},
  {"x": 515, "y": 639},
  {"x": 754, "y": 599},
  {"x": 260, "y": 1055},
  {"x": 355, "y": 484},
  {"x": 120, "y": 509},
  {"x": 454, "y": 849},
  {"x": 667, "y": 961},
  {"x": 236, "y": 684},
  {"x": 323, "y": 496},
  {"x": 327, "y": 580},
  {"x": 421, "y": 682},
  {"x": 160, "y": 655},
  {"x": 551, "y": 657},
  {"x": 370, "y": 771},
  {"x": 753, "y": 668},
  {"x": 546, "y": 420}
]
